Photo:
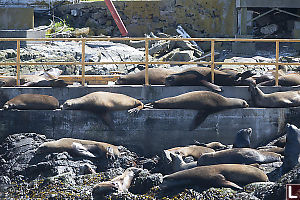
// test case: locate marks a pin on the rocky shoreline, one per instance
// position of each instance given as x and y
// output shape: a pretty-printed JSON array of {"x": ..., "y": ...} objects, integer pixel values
[{"x": 26, "y": 174}]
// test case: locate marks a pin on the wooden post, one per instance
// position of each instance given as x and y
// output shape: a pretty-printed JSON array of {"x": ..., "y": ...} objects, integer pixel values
[
  {"x": 83, "y": 62},
  {"x": 146, "y": 61},
  {"x": 212, "y": 61},
  {"x": 277, "y": 63},
  {"x": 18, "y": 62}
]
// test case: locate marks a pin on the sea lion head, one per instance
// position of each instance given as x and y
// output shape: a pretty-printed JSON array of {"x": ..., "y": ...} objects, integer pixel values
[
  {"x": 121, "y": 80},
  {"x": 69, "y": 105},
  {"x": 237, "y": 103},
  {"x": 8, "y": 105},
  {"x": 242, "y": 138}
]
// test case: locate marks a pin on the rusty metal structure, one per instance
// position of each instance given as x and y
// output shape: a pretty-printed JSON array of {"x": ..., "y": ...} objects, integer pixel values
[{"x": 212, "y": 62}]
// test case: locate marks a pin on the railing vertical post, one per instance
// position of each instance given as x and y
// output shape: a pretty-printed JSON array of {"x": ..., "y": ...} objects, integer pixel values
[
  {"x": 277, "y": 61},
  {"x": 212, "y": 61},
  {"x": 146, "y": 61},
  {"x": 83, "y": 62},
  {"x": 18, "y": 62}
]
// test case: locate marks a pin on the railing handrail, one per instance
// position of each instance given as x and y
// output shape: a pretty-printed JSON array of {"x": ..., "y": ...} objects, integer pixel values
[{"x": 212, "y": 62}]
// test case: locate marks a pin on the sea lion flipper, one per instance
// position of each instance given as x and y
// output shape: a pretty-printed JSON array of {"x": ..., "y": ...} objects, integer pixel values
[
  {"x": 198, "y": 119},
  {"x": 211, "y": 86},
  {"x": 107, "y": 119},
  {"x": 81, "y": 150},
  {"x": 221, "y": 181}
]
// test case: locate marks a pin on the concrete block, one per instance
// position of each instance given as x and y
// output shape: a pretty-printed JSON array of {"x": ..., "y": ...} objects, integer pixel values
[
  {"x": 16, "y": 18},
  {"x": 20, "y": 34}
]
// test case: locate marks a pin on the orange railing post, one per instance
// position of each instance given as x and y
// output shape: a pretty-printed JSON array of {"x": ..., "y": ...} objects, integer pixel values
[
  {"x": 83, "y": 62},
  {"x": 18, "y": 61},
  {"x": 212, "y": 59},
  {"x": 146, "y": 61},
  {"x": 277, "y": 61}
]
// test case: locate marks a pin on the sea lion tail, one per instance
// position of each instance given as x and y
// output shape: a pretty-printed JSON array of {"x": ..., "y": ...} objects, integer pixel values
[{"x": 198, "y": 119}]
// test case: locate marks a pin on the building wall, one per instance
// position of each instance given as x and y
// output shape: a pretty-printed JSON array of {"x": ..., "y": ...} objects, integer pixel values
[{"x": 202, "y": 18}]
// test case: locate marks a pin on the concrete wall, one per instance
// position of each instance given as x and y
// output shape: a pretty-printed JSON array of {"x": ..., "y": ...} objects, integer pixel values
[
  {"x": 16, "y": 18},
  {"x": 150, "y": 131},
  {"x": 203, "y": 18}
]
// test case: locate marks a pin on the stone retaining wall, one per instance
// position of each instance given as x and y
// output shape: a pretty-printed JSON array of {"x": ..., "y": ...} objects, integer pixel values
[{"x": 204, "y": 18}]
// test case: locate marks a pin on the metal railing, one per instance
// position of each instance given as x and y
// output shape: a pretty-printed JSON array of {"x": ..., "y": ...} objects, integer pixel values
[{"x": 212, "y": 62}]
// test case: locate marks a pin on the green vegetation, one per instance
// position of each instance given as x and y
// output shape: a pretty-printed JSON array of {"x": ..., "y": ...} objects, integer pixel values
[{"x": 60, "y": 26}]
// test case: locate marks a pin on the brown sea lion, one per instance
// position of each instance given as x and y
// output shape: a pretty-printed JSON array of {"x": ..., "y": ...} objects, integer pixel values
[
  {"x": 280, "y": 142},
  {"x": 223, "y": 175},
  {"x": 41, "y": 81},
  {"x": 157, "y": 76},
  {"x": 274, "y": 100},
  {"x": 102, "y": 103},
  {"x": 77, "y": 147},
  {"x": 292, "y": 148},
  {"x": 205, "y": 102},
  {"x": 120, "y": 183},
  {"x": 213, "y": 145},
  {"x": 192, "y": 150},
  {"x": 32, "y": 81},
  {"x": 202, "y": 76},
  {"x": 177, "y": 163},
  {"x": 32, "y": 102},
  {"x": 274, "y": 149},
  {"x": 285, "y": 80},
  {"x": 238, "y": 156},
  {"x": 242, "y": 138}
]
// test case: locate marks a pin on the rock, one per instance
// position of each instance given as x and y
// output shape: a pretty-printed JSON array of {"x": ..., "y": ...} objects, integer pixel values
[
  {"x": 269, "y": 29},
  {"x": 144, "y": 181},
  {"x": 260, "y": 189}
]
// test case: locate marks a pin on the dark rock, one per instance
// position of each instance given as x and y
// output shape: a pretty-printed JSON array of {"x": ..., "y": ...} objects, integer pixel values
[{"x": 144, "y": 181}]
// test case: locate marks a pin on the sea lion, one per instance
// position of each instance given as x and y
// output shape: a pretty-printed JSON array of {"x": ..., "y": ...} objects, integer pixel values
[
  {"x": 41, "y": 81},
  {"x": 213, "y": 145},
  {"x": 32, "y": 81},
  {"x": 205, "y": 102},
  {"x": 191, "y": 150},
  {"x": 274, "y": 100},
  {"x": 81, "y": 148},
  {"x": 242, "y": 138},
  {"x": 202, "y": 76},
  {"x": 157, "y": 76},
  {"x": 223, "y": 175},
  {"x": 281, "y": 142},
  {"x": 238, "y": 156},
  {"x": 10, "y": 81},
  {"x": 120, "y": 183},
  {"x": 274, "y": 149},
  {"x": 284, "y": 80},
  {"x": 292, "y": 148},
  {"x": 102, "y": 103},
  {"x": 32, "y": 102},
  {"x": 178, "y": 164}
]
